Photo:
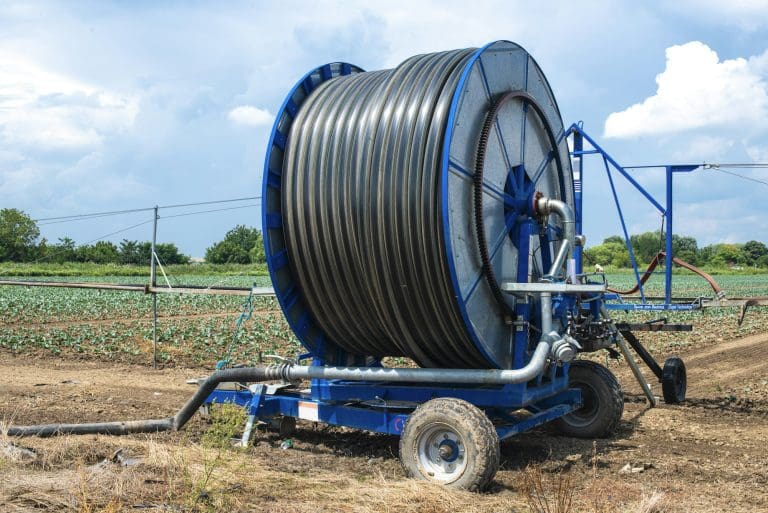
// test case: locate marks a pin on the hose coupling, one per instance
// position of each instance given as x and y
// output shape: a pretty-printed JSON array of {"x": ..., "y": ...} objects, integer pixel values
[{"x": 564, "y": 350}]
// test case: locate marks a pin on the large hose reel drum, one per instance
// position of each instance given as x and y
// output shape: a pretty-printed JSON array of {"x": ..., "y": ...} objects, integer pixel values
[{"x": 377, "y": 186}]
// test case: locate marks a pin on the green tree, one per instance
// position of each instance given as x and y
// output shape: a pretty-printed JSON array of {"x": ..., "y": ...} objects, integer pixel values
[
  {"x": 169, "y": 254},
  {"x": 240, "y": 246},
  {"x": 647, "y": 245},
  {"x": 618, "y": 239},
  {"x": 63, "y": 251},
  {"x": 130, "y": 253},
  {"x": 257, "y": 253},
  {"x": 752, "y": 251},
  {"x": 609, "y": 253},
  {"x": 18, "y": 234},
  {"x": 706, "y": 254},
  {"x": 103, "y": 252},
  {"x": 227, "y": 252},
  {"x": 723, "y": 255},
  {"x": 138, "y": 253},
  {"x": 685, "y": 248}
]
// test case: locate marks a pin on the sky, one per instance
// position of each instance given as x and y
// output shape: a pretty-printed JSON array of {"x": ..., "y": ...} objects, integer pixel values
[{"x": 123, "y": 105}]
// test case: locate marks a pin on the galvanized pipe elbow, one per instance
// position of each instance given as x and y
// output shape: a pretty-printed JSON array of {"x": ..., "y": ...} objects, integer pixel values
[{"x": 546, "y": 206}]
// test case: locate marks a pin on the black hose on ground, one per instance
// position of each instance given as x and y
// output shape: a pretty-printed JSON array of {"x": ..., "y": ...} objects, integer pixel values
[{"x": 175, "y": 423}]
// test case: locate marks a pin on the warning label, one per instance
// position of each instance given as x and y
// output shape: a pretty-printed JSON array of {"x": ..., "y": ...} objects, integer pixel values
[{"x": 308, "y": 411}]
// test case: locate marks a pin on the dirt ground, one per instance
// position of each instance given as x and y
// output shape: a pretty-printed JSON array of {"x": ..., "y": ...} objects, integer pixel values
[{"x": 708, "y": 455}]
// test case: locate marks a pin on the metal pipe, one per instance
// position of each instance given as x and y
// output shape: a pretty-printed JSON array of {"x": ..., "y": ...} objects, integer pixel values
[
  {"x": 74, "y": 285},
  {"x": 454, "y": 376},
  {"x": 546, "y": 311},
  {"x": 548, "y": 206},
  {"x": 458, "y": 376},
  {"x": 559, "y": 260},
  {"x": 146, "y": 289},
  {"x": 153, "y": 283},
  {"x": 102, "y": 428},
  {"x": 630, "y": 360}
]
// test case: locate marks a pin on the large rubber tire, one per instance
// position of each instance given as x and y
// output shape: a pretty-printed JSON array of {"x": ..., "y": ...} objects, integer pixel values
[
  {"x": 452, "y": 442},
  {"x": 674, "y": 381},
  {"x": 603, "y": 402}
]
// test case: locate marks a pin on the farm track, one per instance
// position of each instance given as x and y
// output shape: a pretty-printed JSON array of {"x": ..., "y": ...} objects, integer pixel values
[{"x": 708, "y": 455}]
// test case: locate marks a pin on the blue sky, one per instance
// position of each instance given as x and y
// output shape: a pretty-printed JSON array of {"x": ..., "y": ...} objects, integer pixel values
[{"x": 119, "y": 105}]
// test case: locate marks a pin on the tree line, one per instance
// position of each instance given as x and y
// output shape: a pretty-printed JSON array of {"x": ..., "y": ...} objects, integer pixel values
[
  {"x": 613, "y": 251},
  {"x": 20, "y": 242}
]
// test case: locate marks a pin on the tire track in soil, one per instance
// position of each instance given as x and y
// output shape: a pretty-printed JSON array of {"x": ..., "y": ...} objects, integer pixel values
[{"x": 733, "y": 363}]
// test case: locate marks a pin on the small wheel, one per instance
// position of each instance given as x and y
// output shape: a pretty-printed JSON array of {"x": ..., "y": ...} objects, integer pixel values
[
  {"x": 452, "y": 442},
  {"x": 674, "y": 381},
  {"x": 285, "y": 426},
  {"x": 602, "y": 401}
]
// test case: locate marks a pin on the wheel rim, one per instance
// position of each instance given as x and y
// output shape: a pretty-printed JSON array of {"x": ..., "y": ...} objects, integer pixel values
[
  {"x": 590, "y": 406},
  {"x": 441, "y": 453}
]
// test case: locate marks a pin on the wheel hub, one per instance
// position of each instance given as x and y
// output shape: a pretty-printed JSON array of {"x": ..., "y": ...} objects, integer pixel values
[
  {"x": 449, "y": 450},
  {"x": 441, "y": 454}
]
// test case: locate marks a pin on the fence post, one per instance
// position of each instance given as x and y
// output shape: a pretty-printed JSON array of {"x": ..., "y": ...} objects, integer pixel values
[{"x": 153, "y": 281}]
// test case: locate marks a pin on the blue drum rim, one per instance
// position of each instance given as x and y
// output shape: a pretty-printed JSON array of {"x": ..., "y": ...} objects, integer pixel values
[{"x": 271, "y": 220}]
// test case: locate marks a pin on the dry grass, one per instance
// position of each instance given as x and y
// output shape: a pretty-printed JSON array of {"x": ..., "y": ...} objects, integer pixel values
[
  {"x": 544, "y": 493},
  {"x": 181, "y": 476},
  {"x": 656, "y": 502}
]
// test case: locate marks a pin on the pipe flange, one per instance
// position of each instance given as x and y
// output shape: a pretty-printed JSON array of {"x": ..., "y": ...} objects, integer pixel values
[{"x": 535, "y": 203}]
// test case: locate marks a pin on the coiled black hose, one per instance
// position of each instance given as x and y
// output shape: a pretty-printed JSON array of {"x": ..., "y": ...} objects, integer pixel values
[{"x": 362, "y": 213}]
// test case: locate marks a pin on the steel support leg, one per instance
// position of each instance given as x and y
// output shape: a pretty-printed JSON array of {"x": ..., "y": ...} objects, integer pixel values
[
  {"x": 635, "y": 369},
  {"x": 630, "y": 360},
  {"x": 642, "y": 352}
]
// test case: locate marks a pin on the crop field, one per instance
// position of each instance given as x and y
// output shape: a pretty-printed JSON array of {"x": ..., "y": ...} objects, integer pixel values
[
  {"x": 196, "y": 329},
  {"x": 73, "y": 355},
  {"x": 116, "y": 325}
]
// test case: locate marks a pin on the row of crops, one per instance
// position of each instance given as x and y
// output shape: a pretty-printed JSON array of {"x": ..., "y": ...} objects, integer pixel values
[
  {"x": 116, "y": 325},
  {"x": 196, "y": 329}
]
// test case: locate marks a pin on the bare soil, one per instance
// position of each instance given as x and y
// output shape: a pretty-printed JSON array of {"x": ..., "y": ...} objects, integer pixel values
[{"x": 709, "y": 454}]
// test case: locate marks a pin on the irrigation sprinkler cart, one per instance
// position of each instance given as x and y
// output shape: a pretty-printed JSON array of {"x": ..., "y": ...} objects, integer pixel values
[
  {"x": 449, "y": 424},
  {"x": 586, "y": 403},
  {"x": 494, "y": 360}
]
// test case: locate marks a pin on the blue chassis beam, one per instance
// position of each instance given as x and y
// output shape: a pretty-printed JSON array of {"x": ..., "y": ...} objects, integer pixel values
[{"x": 544, "y": 406}]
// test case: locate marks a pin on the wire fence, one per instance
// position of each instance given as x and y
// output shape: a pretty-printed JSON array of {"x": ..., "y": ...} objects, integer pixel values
[{"x": 216, "y": 288}]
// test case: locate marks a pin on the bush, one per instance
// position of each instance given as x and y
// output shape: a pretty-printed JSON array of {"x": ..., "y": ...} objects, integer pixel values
[{"x": 241, "y": 245}]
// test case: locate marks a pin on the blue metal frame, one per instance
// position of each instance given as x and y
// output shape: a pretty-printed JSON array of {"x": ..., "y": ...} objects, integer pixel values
[
  {"x": 579, "y": 136},
  {"x": 384, "y": 408}
]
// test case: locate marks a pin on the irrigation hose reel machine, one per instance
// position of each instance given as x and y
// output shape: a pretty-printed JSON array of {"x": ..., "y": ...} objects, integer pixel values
[{"x": 427, "y": 212}]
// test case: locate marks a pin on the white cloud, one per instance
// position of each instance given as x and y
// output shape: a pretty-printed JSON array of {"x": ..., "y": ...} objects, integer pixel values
[
  {"x": 697, "y": 90},
  {"x": 758, "y": 153},
  {"x": 250, "y": 115},
  {"x": 703, "y": 148},
  {"x": 44, "y": 110},
  {"x": 749, "y": 15}
]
